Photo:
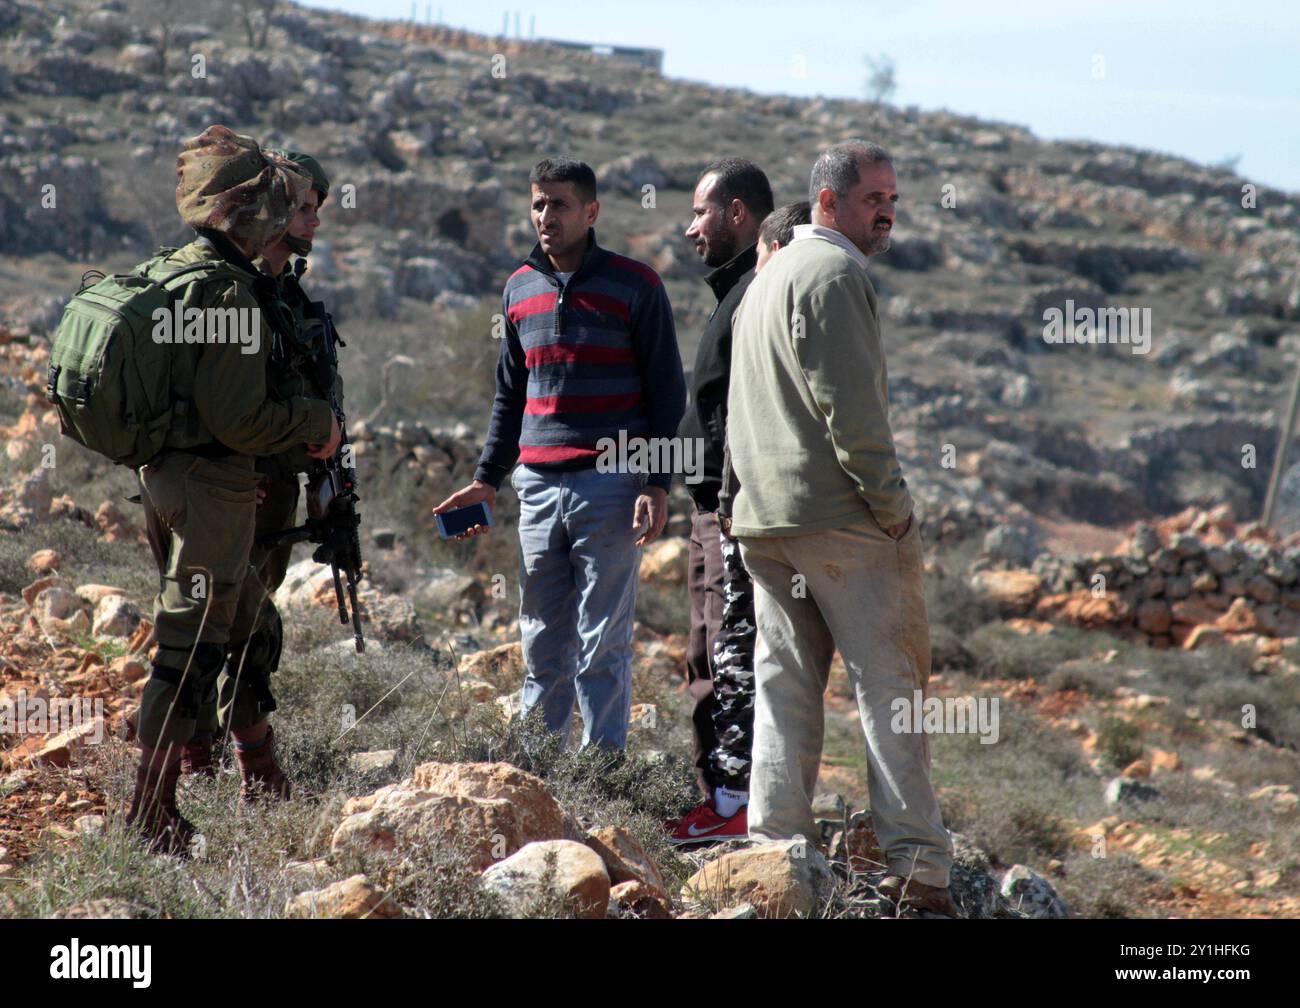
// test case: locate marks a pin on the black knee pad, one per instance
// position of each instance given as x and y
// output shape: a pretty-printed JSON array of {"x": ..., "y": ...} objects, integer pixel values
[
  {"x": 260, "y": 657},
  {"x": 204, "y": 665}
]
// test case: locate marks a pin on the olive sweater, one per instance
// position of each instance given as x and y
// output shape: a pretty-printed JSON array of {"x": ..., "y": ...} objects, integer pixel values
[{"x": 808, "y": 416}]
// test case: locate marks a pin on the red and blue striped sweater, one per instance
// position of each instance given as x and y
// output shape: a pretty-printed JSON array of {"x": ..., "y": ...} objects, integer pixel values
[{"x": 580, "y": 362}]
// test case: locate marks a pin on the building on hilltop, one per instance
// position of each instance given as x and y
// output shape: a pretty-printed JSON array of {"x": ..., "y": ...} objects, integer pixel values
[{"x": 651, "y": 59}]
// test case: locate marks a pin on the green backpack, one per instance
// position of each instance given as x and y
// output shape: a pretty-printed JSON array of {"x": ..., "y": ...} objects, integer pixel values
[{"x": 108, "y": 377}]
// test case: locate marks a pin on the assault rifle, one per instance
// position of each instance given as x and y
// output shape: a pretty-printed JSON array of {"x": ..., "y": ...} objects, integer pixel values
[{"x": 333, "y": 522}]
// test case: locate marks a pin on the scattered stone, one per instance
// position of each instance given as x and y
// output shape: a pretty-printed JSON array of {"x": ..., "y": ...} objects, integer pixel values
[
  {"x": 1192, "y": 612},
  {"x": 625, "y": 859},
  {"x": 1032, "y": 895},
  {"x": 447, "y": 591},
  {"x": 1281, "y": 797},
  {"x": 636, "y": 899},
  {"x": 128, "y": 668},
  {"x": 1121, "y": 790},
  {"x": 1240, "y": 618},
  {"x": 788, "y": 878},
  {"x": 1165, "y": 760},
  {"x": 552, "y": 869},
  {"x": 56, "y": 603},
  {"x": 113, "y": 525},
  {"x": 741, "y": 911},
  {"x": 59, "y": 750},
  {"x": 511, "y": 705},
  {"x": 538, "y": 815},
  {"x": 1015, "y": 545},
  {"x": 116, "y": 616},
  {"x": 372, "y": 762},
  {"x": 1144, "y": 539},
  {"x": 44, "y": 561},
  {"x": 1262, "y": 589},
  {"x": 1012, "y": 590},
  {"x": 89, "y": 824},
  {"x": 93, "y": 593},
  {"x": 480, "y": 830},
  {"x": 350, "y": 899},
  {"x": 501, "y": 666},
  {"x": 477, "y": 690},
  {"x": 1154, "y": 616},
  {"x": 34, "y": 589},
  {"x": 307, "y": 873},
  {"x": 1204, "y": 634}
]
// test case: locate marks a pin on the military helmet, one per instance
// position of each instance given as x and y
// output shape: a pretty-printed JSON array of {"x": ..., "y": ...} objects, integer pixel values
[{"x": 308, "y": 164}]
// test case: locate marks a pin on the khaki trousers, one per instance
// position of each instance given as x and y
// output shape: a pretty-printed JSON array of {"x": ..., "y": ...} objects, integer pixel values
[{"x": 856, "y": 589}]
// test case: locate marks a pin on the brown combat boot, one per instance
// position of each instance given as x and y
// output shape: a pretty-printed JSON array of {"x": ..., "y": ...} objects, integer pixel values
[
  {"x": 153, "y": 812},
  {"x": 197, "y": 756},
  {"x": 260, "y": 775},
  {"x": 908, "y": 893}
]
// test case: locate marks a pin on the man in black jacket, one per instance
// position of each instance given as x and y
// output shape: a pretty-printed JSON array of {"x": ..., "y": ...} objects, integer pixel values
[{"x": 731, "y": 199}]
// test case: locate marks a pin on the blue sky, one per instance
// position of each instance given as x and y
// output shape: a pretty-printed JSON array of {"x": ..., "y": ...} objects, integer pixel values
[{"x": 1202, "y": 80}]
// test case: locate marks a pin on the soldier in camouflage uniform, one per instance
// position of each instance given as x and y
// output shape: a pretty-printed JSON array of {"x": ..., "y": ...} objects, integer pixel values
[
  {"x": 199, "y": 493},
  {"x": 241, "y": 698}
]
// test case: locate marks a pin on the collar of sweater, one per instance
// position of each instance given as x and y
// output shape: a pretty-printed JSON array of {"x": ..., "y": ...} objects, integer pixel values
[
  {"x": 726, "y": 276},
  {"x": 591, "y": 259},
  {"x": 805, "y": 232}
]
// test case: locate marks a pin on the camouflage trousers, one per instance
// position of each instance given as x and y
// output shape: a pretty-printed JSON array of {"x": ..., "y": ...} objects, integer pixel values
[
  {"x": 733, "y": 674},
  {"x": 200, "y": 515},
  {"x": 240, "y": 697}
]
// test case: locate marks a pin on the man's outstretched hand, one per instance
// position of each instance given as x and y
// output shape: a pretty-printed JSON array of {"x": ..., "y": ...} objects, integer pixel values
[
  {"x": 650, "y": 513},
  {"x": 475, "y": 493}
]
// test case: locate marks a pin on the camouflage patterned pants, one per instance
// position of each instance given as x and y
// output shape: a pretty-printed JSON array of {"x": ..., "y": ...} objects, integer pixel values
[{"x": 733, "y": 674}]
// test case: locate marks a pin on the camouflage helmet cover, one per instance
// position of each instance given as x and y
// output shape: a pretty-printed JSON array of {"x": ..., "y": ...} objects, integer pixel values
[{"x": 228, "y": 184}]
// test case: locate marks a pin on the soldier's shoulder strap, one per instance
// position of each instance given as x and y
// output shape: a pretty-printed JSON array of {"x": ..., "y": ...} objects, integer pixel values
[{"x": 174, "y": 276}]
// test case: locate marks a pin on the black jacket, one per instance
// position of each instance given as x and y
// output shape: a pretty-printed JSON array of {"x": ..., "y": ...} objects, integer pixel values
[{"x": 706, "y": 417}]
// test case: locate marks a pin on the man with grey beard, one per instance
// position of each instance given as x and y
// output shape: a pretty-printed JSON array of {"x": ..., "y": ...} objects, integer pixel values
[{"x": 826, "y": 527}]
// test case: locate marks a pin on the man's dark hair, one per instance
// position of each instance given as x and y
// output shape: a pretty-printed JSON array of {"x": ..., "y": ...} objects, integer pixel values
[
  {"x": 778, "y": 226},
  {"x": 562, "y": 169},
  {"x": 739, "y": 178},
  {"x": 836, "y": 168}
]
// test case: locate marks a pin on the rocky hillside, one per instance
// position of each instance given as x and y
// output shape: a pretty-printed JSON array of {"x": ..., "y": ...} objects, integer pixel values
[{"x": 1093, "y": 564}]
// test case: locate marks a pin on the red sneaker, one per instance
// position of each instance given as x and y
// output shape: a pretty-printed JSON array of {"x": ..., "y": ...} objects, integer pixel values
[{"x": 702, "y": 824}]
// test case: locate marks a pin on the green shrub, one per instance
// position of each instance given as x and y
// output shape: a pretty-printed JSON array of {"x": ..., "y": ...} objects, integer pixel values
[{"x": 1119, "y": 742}]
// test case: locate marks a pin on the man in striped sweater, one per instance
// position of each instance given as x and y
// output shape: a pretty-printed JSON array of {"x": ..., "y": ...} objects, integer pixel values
[{"x": 589, "y": 360}]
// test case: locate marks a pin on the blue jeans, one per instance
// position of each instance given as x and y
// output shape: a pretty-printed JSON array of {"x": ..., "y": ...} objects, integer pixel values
[{"x": 578, "y": 576}]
